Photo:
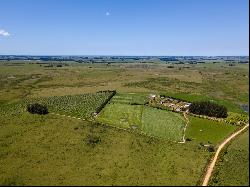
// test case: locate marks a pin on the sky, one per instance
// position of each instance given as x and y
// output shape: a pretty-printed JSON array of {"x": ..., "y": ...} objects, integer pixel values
[{"x": 124, "y": 27}]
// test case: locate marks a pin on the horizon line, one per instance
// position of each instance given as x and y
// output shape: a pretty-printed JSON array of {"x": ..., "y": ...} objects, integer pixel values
[{"x": 130, "y": 55}]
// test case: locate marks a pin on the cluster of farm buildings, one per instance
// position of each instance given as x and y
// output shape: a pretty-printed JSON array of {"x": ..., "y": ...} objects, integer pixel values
[{"x": 174, "y": 104}]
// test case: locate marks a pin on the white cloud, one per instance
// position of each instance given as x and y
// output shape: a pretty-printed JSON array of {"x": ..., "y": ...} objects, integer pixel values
[
  {"x": 107, "y": 13},
  {"x": 4, "y": 33}
]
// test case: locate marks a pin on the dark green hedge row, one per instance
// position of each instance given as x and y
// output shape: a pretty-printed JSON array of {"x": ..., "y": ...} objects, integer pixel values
[
  {"x": 113, "y": 92},
  {"x": 208, "y": 108}
]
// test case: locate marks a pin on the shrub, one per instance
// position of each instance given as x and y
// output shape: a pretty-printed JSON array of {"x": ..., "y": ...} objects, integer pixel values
[
  {"x": 170, "y": 66},
  {"x": 188, "y": 139},
  {"x": 235, "y": 118},
  {"x": 211, "y": 148},
  {"x": 36, "y": 108},
  {"x": 92, "y": 139},
  {"x": 208, "y": 108}
]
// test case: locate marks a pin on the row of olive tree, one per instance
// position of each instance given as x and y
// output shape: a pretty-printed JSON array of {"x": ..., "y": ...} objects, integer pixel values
[{"x": 113, "y": 92}]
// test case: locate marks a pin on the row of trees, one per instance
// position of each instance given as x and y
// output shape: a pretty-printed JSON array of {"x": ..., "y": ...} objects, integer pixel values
[
  {"x": 113, "y": 92},
  {"x": 209, "y": 109}
]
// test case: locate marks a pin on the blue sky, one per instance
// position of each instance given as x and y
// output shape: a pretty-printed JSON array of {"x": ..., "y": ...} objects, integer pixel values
[{"x": 124, "y": 27}]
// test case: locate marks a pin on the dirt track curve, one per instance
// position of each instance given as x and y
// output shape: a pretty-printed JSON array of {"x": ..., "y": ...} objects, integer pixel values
[{"x": 212, "y": 164}]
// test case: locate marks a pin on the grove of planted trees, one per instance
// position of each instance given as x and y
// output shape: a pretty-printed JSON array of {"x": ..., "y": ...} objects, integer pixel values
[{"x": 208, "y": 108}]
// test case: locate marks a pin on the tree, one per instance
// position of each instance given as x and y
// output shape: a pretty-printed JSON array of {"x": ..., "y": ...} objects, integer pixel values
[
  {"x": 36, "y": 108},
  {"x": 209, "y": 109}
]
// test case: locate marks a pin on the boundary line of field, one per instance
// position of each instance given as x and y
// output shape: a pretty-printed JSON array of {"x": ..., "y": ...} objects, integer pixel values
[
  {"x": 211, "y": 166},
  {"x": 64, "y": 115}
]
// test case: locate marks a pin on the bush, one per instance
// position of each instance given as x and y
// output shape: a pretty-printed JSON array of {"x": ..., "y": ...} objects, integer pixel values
[
  {"x": 92, "y": 139},
  {"x": 211, "y": 148},
  {"x": 236, "y": 119},
  {"x": 188, "y": 139},
  {"x": 208, "y": 108},
  {"x": 36, "y": 108}
]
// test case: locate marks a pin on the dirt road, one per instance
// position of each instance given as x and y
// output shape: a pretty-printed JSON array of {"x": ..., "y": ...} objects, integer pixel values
[
  {"x": 184, "y": 130},
  {"x": 212, "y": 164}
]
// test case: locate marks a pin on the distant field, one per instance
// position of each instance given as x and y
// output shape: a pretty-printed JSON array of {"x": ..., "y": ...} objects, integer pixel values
[
  {"x": 233, "y": 168},
  {"x": 204, "y": 130}
]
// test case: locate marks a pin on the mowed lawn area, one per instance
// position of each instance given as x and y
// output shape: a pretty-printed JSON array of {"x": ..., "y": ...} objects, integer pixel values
[
  {"x": 150, "y": 121},
  {"x": 207, "y": 131}
]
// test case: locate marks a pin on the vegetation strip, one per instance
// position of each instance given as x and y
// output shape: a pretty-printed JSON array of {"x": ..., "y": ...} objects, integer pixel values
[{"x": 212, "y": 164}]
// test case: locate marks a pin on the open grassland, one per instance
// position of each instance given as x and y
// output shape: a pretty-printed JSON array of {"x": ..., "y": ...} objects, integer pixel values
[
  {"x": 162, "y": 123},
  {"x": 233, "y": 167},
  {"x": 55, "y": 150},
  {"x": 207, "y": 131},
  {"x": 219, "y": 82}
]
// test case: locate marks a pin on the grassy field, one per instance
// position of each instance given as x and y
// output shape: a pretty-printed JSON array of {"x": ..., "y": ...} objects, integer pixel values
[
  {"x": 162, "y": 123},
  {"x": 205, "y": 131},
  {"x": 219, "y": 81},
  {"x": 130, "y": 98},
  {"x": 55, "y": 150},
  {"x": 233, "y": 168},
  {"x": 143, "y": 119},
  {"x": 121, "y": 115}
]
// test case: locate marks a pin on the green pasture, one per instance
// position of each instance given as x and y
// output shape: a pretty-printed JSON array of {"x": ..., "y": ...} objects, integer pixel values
[
  {"x": 55, "y": 150},
  {"x": 162, "y": 123},
  {"x": 207, "y": 131},
  {"x": 130, "y": 98},
  {"x": 148, "y": 120},
  {"x": 121, "y": 115}
]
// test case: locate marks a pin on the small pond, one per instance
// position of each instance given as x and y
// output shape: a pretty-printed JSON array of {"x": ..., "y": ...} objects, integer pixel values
[{"x": 245, "y": 108}]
